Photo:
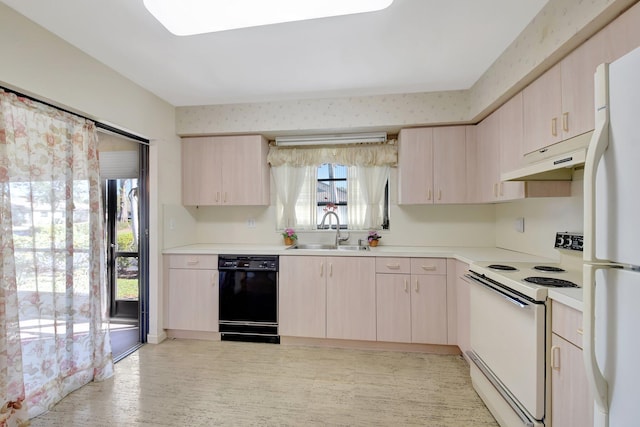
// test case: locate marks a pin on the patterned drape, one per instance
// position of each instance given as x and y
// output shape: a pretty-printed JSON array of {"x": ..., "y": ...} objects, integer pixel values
[{"x": 53, "y": 330}]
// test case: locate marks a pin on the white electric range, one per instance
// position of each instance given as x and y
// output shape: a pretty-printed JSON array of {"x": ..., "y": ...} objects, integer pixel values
[{"x": 509, "y": 322}]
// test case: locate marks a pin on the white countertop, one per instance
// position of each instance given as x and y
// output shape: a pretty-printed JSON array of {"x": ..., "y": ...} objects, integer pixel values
[
  {"x": 571, "y": 297},
  {"x": 464, "y": 254},
  {"x": 568, "y": 296}
]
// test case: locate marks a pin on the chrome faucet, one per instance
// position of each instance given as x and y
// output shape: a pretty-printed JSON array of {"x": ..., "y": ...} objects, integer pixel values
[{"x": 338, "y": 238}]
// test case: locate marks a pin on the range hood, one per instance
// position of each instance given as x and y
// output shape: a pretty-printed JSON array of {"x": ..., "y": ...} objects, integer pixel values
[{"x": 554, "y": 163}]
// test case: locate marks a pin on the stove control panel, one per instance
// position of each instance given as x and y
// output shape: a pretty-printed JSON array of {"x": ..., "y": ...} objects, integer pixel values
[{"x": 569, "y": 241}]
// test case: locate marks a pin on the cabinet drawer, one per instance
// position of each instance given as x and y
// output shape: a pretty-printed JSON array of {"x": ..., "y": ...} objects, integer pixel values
[
  {"x": 194, "y": 262},
  {"x": 393, "y": 265},
  {"x": 428, "y": 266},
  {"x": 567, "y": 323}
]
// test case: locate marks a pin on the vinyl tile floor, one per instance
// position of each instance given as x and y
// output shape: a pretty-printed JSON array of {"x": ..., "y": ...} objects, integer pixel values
[{"x": 221, "y": 383}]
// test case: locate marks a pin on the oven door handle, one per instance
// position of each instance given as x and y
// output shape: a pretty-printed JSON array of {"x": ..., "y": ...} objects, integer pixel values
[{"x": 503, "y": 294}]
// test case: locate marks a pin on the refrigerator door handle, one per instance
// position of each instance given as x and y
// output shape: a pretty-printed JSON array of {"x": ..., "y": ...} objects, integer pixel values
[
  {"x": 596, "y": 379},
  {"x": 597, "y": 147}
]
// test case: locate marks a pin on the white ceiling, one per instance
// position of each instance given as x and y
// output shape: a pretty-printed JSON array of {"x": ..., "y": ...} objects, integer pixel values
[{"x": 412, "y": 46}]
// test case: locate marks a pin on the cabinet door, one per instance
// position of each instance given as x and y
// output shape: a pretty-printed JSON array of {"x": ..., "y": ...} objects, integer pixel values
[
  {"x": 571, "y": 401},
  {"x": 463, "y": 307},
  {"x": 351, "y": 298},
  {"x": 193, "y": 300},
  {"x": 487, "y": 159},
  {"x": 201, "y": 181},
  {"x": 415, "y": 166},
  {"x": 302, "y": 296},
  {"x": 393, "y": 307},
  {"x": 429, "y": 309},
  {"x": 244, "y": 170},
  {"x": 473, "y": 173},
  {"x": 510, "y": 135},
  {"x": 449, "y": 164},
  {"x": 578, "y": 69},
  {"x": 542, "y": 111}
]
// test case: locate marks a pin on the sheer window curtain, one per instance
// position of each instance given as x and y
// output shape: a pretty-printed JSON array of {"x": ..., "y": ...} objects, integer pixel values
[
  {"x": 53, "y": 330},
  {"x": 366, "y": 196},
  {"x": 369, "y": 163},
  {"x": 295, "y": 191}
]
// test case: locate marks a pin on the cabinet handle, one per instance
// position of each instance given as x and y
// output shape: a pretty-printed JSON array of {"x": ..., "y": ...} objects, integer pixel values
[
  {"x": 580, "y": 331},
  {"x": 213, "y": 279},
  {"x": 321, "y": 269},
  {"x": 429, "y": 267},
  {"x": 225, "y": 197},
  {"x": 217, "y": 196},
  {"x": 565, "y": 122},
  {"x": 393, "y": 266},
  {"x": 554, "y": 126},
  {"x": 429, "y": 195},
  {"x": 417, "y": 288},
  {"x": 495, "y": 189},
  {"x": 501, "y": 186},
  {"x": 405, "y": 285},
  {"x": 555, "y": 362},
  {"x": 439, "y": 194},
  {"x": 192, "y": 261}
]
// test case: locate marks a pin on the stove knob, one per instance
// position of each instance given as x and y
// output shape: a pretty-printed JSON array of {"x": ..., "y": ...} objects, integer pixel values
[{"x": 559, "y": 241}]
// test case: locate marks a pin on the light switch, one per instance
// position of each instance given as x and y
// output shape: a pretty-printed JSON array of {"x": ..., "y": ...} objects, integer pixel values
[{"x": 518, "y": 225}]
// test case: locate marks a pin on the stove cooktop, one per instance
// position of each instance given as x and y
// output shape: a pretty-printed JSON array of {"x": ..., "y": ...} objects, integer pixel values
[{"x": 515, "y": 274}]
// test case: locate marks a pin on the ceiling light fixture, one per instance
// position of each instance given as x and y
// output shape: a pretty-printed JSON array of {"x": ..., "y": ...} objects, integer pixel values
[
  {"x": 189, "y": 17},
  {"x": 359, "y": 138}
]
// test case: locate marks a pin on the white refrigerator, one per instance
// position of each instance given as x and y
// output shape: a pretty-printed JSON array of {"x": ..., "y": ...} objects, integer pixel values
[{"x": 612, "y": 246}]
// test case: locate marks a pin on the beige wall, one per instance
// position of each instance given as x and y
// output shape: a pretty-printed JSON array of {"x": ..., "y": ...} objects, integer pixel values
[
  {"x": 40, "y": 64},
  {"x": 559, "y": 27}
]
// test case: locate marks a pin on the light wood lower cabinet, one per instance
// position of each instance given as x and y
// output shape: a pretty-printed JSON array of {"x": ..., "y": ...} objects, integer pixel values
[
  {"x": 351, "y": 298},
  {"x": 412, "y": 304},
  {"x": 302, "y": 296},
  {"x": 327, "y": 297},
  {"x": 571, "y": 400},
  {"x": 192, "y": 293}
]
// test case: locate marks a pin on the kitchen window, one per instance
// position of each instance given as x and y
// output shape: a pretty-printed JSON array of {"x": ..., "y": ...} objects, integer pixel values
[{"x": 350, "y": 180}]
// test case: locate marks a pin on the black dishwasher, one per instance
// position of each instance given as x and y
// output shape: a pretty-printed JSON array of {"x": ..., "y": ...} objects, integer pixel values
[{"x": 249, "y": 298}]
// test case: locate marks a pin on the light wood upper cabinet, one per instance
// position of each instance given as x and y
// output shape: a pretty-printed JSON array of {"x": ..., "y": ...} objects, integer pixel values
[
  {"x": 191, "y": 297},
  {"x": 449, "y": 164},
  {"x": 498, "y": 149},
  {"x": 302, "y": 296},
  {"x": 560, "y": 104},
  {"x": 225, "y": 170},
  {"x": 415, "y": 166},
  {"x": 622, "y": 35},
  {"x": 432, "y": 165}
]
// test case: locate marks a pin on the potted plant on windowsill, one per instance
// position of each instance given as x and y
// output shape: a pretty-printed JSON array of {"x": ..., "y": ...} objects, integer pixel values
[
  {"x": 290, "y": 236},
  {"x": 373, "y": 238}
]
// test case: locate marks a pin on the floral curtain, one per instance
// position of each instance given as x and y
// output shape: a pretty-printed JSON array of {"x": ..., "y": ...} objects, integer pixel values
[{"x": 53, "y": 330}]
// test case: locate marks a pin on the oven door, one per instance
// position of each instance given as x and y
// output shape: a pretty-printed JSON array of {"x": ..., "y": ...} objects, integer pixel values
[{"x": 508, "y": 348}]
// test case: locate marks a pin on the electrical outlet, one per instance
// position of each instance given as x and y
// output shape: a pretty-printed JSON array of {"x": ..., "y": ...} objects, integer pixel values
[
  {"x": 518, "y": 225},
  {"x": 251, "y": 223}
]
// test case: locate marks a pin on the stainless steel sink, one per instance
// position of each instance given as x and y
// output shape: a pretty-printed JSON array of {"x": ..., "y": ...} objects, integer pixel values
[{"x": 328, "y": 247}]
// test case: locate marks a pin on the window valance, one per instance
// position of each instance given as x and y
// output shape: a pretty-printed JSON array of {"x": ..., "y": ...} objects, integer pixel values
[{"x": 351, "y": 155}]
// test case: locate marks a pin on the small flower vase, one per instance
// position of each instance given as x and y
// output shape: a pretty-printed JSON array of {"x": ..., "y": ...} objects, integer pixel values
[
  {"x": 373, "y": 243},
  {"x": 288, "y": 241}
]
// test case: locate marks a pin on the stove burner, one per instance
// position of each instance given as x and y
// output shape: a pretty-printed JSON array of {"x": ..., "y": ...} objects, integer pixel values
[
  {"x": 551, "y": 281},
  {"x": 548, "y": 269},
  {"x": 502, "y": 267}
]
